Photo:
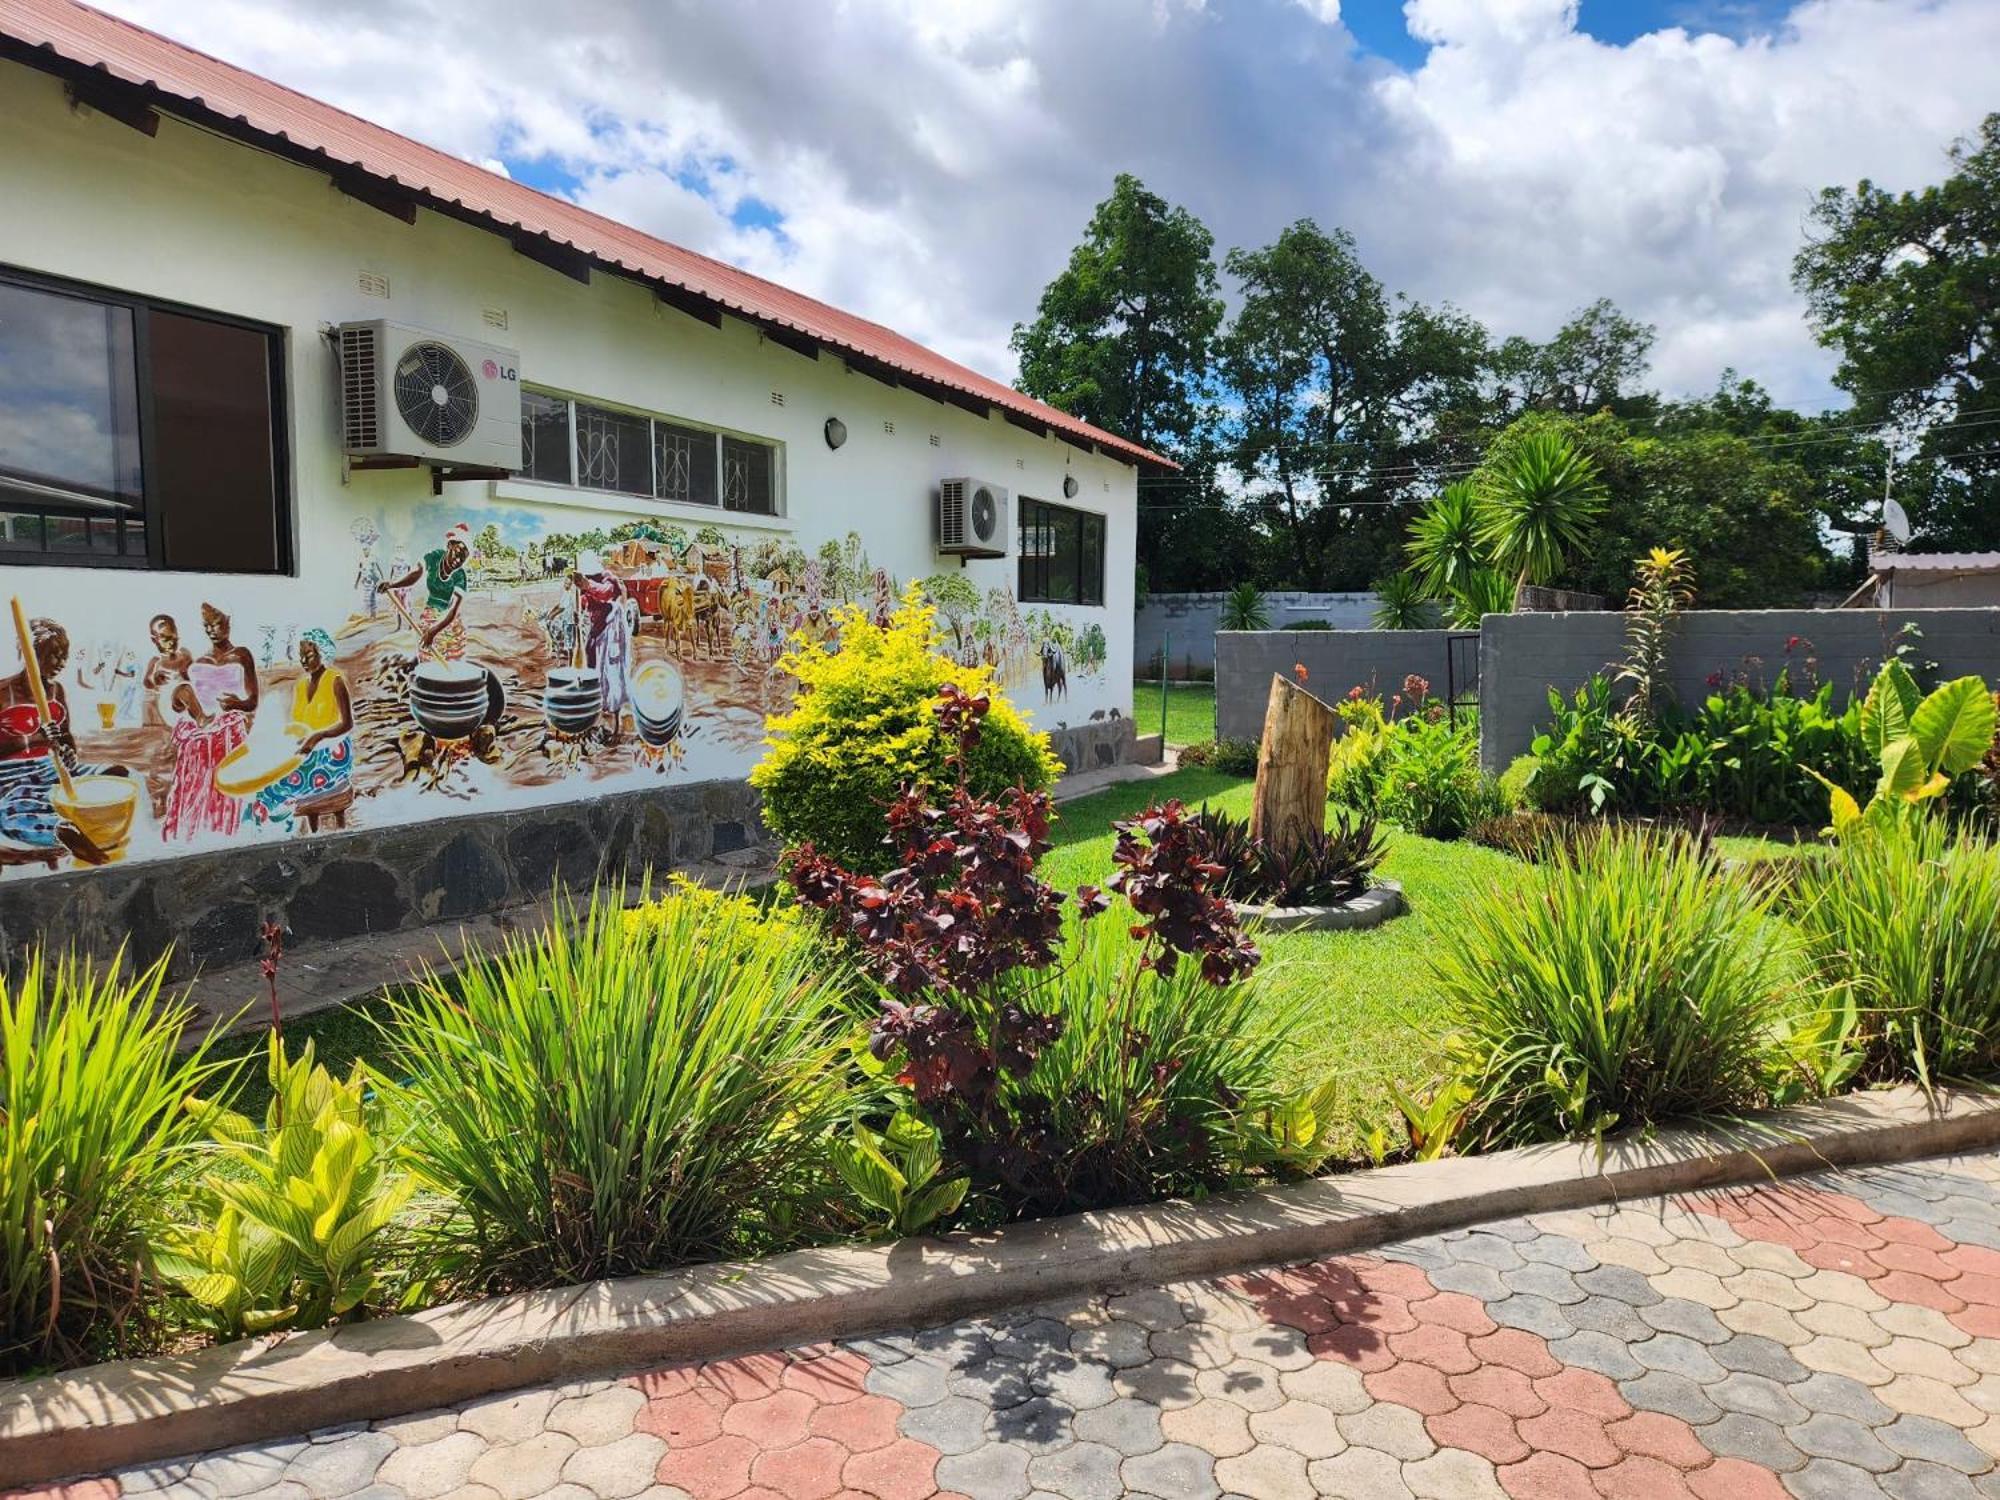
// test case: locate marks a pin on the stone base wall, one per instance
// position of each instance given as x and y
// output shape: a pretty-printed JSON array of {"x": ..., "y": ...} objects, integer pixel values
[
  {"x": 209, "y": 908},
  {"x": 1094, "y": 745}
]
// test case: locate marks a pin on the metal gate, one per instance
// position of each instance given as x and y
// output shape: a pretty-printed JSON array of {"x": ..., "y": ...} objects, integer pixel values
[{"x": 1461, "y": 673}]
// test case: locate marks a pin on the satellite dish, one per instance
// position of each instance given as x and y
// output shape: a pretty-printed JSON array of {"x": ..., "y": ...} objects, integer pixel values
[{"x": 1896, "y": 521}]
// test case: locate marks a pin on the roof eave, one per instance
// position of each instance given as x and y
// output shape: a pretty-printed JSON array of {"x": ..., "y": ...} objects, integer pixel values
[{"x": 128, "y": 100}]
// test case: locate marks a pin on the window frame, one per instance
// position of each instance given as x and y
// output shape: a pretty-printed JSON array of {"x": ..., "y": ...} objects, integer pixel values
[
  {"x": 141, "y": 306},
  {"x": 1040, "y": 515},
  {"x": 720, "y": 436}
]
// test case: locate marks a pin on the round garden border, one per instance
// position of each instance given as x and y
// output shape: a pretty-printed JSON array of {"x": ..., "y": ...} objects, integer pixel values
[
  {"x": 1371, "y": 908},
  {"x": 111, "y": 1416}
]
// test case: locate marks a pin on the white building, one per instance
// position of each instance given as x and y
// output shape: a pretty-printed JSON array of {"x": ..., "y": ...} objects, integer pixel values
[{"x": 179, "y": 242}]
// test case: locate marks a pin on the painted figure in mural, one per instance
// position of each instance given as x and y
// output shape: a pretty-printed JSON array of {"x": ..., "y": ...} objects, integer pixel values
[
  {"x": 607, "y": 633},
  {"x": 166, "y": 672},
  {"x": 30, "y": 827},
  {"x": 211, "y": 708},
  {"x": 322, "y": 723},
  {"x": 368, "y": 584},
  {"x": 441, "y": 624}
]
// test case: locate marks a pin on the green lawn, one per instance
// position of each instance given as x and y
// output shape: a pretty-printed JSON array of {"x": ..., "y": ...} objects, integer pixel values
[
  {"x": 1378, "y": 1012},
  {"x": 1190, "y": 710},
  {"x": 1379, "y": 1015}
]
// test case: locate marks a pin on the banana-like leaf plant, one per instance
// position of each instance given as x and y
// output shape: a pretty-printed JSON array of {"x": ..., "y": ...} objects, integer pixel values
[
  {"x": 296, "y": 1211},
  {"x": 1919, "y": 742}
]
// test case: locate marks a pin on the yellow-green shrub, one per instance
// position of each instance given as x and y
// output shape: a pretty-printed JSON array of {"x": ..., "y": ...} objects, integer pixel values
[{"x": 863, "y": 726}]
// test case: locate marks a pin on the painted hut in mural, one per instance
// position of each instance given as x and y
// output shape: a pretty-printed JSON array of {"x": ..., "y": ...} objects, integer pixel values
[{"x": 375, "y": 514}]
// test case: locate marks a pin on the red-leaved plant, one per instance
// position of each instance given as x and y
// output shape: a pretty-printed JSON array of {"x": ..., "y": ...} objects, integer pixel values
[{"x": 951, "y": 931}]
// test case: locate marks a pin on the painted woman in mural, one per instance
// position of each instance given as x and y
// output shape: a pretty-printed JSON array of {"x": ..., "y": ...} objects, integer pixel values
[
  {"x": 607, "y": 634},
  {"x": 441, "y": 623},
  {"x": 210, "y": 710},
  {"x": 30, "y": 827},
  {"x": 321, "y": 721}
]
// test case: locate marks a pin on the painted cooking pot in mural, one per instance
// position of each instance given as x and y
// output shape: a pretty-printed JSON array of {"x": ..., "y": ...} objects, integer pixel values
[
  {"x": 448, "y": 699},
  {"x": 572, "y": 699},
  {"x": 101, "y": 808},
  {"x": 657, "y": 698}
]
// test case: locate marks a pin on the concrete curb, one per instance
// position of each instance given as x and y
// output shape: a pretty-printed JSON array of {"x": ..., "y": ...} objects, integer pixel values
[
  {"x": 1373, "y": 907},
  {"x": 116, "y": 1415}
]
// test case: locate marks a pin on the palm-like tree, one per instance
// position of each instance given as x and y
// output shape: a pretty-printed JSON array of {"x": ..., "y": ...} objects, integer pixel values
[
  {"x": 1536, "y": 502},
  {"x": 1444, "y": 546},
  {"x": 1244, "y": 609},
  {"x": 1482, "y": 592},
  {"x": 1402, "y": 604}
]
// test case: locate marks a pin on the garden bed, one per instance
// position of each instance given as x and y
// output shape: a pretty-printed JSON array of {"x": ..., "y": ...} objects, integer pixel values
[{"x": 114, "y": 1415}]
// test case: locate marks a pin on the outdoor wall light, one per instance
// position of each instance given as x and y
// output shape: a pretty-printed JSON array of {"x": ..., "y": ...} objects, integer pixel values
[
  {"x": 1069, "y": 486},
  {"x": 836, "y": 432}
]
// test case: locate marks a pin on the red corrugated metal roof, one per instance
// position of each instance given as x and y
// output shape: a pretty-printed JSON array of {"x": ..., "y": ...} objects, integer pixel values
[{"x": 180, "y": 79}]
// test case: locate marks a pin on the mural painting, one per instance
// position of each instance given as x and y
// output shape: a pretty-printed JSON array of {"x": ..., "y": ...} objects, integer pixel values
[{"x": 478, "y": 654}]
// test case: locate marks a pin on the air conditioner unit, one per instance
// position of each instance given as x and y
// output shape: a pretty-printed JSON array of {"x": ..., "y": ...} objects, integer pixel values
[
  {"x": 972, "y": 518},
  {"x": 410, "y": 393}
]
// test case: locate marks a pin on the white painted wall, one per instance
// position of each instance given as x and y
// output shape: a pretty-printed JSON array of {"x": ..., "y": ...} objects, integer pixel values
[{"x": 219, "y": 226}]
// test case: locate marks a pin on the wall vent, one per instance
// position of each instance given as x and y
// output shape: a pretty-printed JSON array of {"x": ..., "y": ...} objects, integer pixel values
[
  {"x": 496, "y": 317},
  {"x": 935, "y": 443},
  {"x": 1020, "y": 463},
  {"x": 361, "y": 419},
  {"x": 777, "y": 398},
  {"x": 890, "y": 428},
  {"x": 373, "y": 284}
]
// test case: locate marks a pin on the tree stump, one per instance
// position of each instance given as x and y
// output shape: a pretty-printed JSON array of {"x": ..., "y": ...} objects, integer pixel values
[{"x": 1290, "y": 799}]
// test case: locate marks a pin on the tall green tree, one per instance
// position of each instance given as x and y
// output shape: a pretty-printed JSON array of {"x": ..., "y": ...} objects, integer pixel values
[
  {"x": 1597, "y": 359},
  {"x": 1124, "y": 336},
  {"x": 1339, "y": 394},
  {"x": 1906, "y": 286}
]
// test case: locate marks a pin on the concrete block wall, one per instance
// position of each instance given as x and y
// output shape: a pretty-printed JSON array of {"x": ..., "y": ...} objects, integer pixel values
[
  {"x": 1522, "y": 656},
  {"x": 1335, "y": 660},
  {"x": 1185, "y": 624}
]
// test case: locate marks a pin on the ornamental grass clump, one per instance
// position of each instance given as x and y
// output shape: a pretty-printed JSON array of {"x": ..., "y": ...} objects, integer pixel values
[
  {"x": 92, "y": 1140},
  {"x": 1625, "y": 980},
  {"x": 1903, "y": 921},
  {"x": 616, "y": 1095}
]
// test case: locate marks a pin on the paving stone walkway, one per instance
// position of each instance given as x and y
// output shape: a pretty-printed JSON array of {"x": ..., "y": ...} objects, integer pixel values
[{"x": 1829, "y": 1338}]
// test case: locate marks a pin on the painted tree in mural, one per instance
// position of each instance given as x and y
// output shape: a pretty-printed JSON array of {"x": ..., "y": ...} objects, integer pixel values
[{"x": 1906, "y": 286}]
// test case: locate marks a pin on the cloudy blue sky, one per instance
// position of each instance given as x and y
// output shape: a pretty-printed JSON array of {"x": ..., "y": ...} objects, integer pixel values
[{"x": 929, "y": 163}]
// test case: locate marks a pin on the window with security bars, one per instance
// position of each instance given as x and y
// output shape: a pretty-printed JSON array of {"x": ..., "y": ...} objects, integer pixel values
[
  {"x": 567, "y": 441},
  {"x": 1061, "y": 552}
]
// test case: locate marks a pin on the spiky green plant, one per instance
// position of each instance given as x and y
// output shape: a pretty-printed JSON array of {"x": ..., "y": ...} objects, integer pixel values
[
  {"x": 1244, "y": 609},
  {"x": 1626, "y": 979},
  {"x": 1400, "y": 604},
  {"x": 616, "y": 1096},
  {"x": 1480, "y": 593},
  {"x": 1537, "y": 501},
  {"x": 92, "y": 1137},
  {"x": 1164, "y": 1086},
  {"x": 1905, "y": 919},
  {"x": 1444, "y": 546}
]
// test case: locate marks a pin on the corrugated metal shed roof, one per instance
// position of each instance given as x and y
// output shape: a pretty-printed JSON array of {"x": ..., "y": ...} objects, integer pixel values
[
  {"x": 1934, "y": 562},
  {"x": 88, "y": 46}
]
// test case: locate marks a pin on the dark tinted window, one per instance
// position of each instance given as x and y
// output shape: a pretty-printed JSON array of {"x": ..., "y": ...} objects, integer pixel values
[
  {"x": 137, "y": 434},
  {"x": 614, "y": 450},
  {"x": 213, "y": 472},
  {"x": 545, "y": 437},
  {"x": 1061, "y": 555},
  {"x": 684, "y": 463},
  {"x": 746, "y": 476}
]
